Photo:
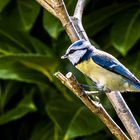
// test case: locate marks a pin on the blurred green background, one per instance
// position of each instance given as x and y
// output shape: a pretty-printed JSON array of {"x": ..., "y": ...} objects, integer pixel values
[{"x": 34, "y": 105}]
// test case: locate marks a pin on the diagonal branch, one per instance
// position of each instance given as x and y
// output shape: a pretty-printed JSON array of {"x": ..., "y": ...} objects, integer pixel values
[
  {"x": 94, "y": 106},
  {"x": 47, "y": 6},
  {"x": 58, "y": 9},
  {"x": 125, "y": 114}
]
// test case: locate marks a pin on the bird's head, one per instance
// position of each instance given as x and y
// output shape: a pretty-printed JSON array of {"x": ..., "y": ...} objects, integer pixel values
[{"x": 76, "y": 51}]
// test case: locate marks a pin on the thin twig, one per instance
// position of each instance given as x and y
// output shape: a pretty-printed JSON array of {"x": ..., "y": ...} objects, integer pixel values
[
  {"x": 77, "y": 19},
  {"x": 80, "y": 8},
  {"x": 94, "y": 106}
]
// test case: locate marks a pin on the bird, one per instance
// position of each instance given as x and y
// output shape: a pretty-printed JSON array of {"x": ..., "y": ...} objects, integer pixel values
[{"x": 104, "y": 70}]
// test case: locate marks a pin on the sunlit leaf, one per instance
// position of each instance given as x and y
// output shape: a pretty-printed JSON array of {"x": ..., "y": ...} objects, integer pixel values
[
  {"x": 45, "y": 65},
  {"x": 15, "y": 71}
]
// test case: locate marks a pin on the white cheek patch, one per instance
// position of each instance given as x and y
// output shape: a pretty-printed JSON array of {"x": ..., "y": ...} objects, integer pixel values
[{"x": 75, "y": 57}]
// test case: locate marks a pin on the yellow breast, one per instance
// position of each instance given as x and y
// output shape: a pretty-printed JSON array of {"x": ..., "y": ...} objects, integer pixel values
[{"x": 102, "y": 76}]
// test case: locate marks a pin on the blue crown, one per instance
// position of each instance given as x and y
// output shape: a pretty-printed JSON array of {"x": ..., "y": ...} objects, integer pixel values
[{"x": 78, "y": 43}]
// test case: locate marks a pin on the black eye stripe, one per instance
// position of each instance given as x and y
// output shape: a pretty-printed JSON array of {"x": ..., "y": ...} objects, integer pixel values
[{"x": 73, "y": 50}]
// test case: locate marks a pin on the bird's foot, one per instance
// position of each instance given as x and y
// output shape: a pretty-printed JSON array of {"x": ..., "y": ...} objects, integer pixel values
[
  {"x": 85, "y": 92},
  {"x": 99, "y": 88},
  {"x": 91, "y": 92},
  {"x": 103, "y": 88},
  {"x": 92, "y": 95},
  {"x": 88, "y": 86}
]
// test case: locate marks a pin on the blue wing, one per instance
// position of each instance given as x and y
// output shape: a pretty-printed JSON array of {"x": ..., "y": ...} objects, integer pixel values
[{"x": 110, "y": 63}]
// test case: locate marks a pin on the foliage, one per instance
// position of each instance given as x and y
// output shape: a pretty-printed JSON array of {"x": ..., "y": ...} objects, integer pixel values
[{"x": 33, "y": 104}]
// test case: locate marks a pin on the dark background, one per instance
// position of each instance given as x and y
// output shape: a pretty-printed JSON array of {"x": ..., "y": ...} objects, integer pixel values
[{"x": 34, "y": 105}]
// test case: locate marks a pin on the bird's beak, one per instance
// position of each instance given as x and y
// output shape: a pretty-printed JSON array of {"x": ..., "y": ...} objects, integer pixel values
[{"x": 64, "y": 56}]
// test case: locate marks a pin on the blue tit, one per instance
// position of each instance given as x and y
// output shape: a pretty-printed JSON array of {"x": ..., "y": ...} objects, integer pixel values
[{"x": 106, "y": 72}]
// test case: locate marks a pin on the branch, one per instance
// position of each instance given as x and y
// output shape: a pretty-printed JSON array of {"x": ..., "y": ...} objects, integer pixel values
[
  {"x": 94, "y": 106},
  {"x": 80, "y": 8},
  {"x": 59, "y": 10},
  {"x": 77, "y": 19},
  {"x": 125, "y": 114},
  {"x": 47, "y": 6}
]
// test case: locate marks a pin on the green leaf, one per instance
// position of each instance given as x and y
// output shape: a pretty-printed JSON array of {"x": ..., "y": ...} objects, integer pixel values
[
  {"x": 39, "y": 47},
  {"x": 22, "y": 13},
  {"x": 3, "y": 3},
  {"x": 15, "y": 41},
  {"x": 45, "y": 65},
  {"x": 72, "y": 119},
  {"x": 7, "y": 47},
  {"x": 125, "y": 32},
  {"x": 101, "y": 18},
  {"x": 24, "y": 107},
  {"x": 61, "y": 112},
  {"x": 52, "y": 25},
  {"x": 83, "y": 123},
  {"x": 15, "y": 71},
  {"x": 28, "y": 11},
  {"x": 6, "y": 93}
]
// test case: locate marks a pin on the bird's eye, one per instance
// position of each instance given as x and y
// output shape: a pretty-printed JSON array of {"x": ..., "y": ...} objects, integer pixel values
[{"x": 71, "y": 51}]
